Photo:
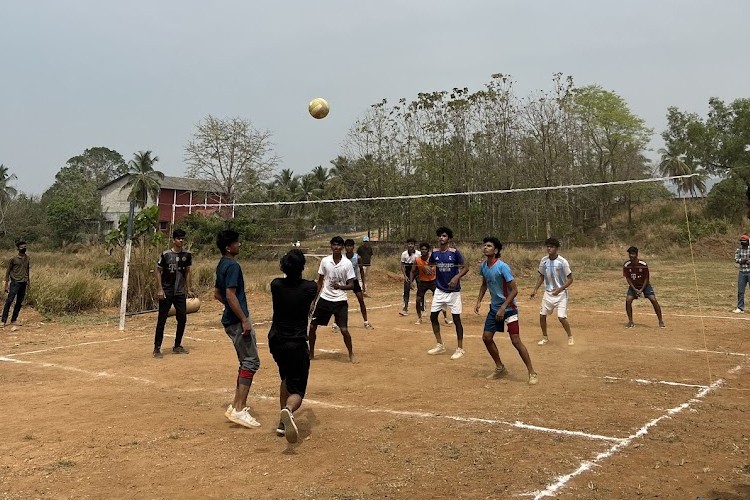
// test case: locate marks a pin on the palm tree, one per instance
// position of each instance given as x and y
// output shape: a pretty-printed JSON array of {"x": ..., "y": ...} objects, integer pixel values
[
  {"x": 143, "y": 180},
  {"x": 673, "y": 164},
  {"x": 6, "y": 192}
]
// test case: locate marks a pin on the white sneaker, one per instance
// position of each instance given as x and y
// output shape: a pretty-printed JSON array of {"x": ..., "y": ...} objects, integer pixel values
[
  {"x": 448, "y": 321},
  {"x": 335, "y": 327},
  {"x": 229, "y": 411},
  {"x": 571, "y": 341},
  {"x": 243, "y": 418},
  {"x": 544, "y": 341},
  {"x": 419, "y": 321},
  {"x": 438, "y": 349},
  {"x": 458, "y": 354},
  {"x": 403, "y": 312},
  {"x": 290, "y": 428},
  {"x": 738, "y": 311},
  {"x": 368, "y": 326}
]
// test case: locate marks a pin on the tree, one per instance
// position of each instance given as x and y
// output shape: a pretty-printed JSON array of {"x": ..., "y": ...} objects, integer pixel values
[
  {"x": 143, "y": 181},
  {"x": 718, "y": 145},
  {"x": 72, "y": 204},
  {"x": 672, "y": 165},
  {"x": 100, "y": 164},
  {"x": 231, "y": 153},
  {"x": 7, "y": 193}
]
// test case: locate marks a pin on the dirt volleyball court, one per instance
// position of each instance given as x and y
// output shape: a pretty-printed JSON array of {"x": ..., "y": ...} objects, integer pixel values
[{"x": 642, "y": 413}]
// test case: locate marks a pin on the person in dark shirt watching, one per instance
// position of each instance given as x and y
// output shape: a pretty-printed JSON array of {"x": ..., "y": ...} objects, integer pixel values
[
  {"x": 636, "y": 274},
  {"x": 17, "y": 282},
  {"x": 172, "y": 289},
  {"x": 365, "y": 255},
  {"x": 292, "y": 299},
  {"x": 230, "y": 291}
]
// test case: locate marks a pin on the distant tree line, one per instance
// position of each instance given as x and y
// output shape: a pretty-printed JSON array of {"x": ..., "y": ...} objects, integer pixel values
[{"x": 438, "y": 142}]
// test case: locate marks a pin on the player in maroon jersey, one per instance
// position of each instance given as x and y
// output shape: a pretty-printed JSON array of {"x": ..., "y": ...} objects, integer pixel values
[{"x": 637, "y": 276}]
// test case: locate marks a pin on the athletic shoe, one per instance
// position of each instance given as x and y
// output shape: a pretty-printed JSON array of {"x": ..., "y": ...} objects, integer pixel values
[
  {"x": 419, "y": 321},
  {"x": 738, "y": 311},
  {"x": 544, "y": 341},
  {"x": 533, "y": 379},
  {"x": 630, "y": 324},
  {"x": 157, "y": 353},
  {"x": 571, "y": 341},
  {"x": 280, "y": 431},
  {"x": 243, "y": 418},
  {"x": 229, "y": 411},
  {"x": 368, "y": 326},
  {"x": 335, "y": 327},
  {"x": 403, "y": 312},
  {"x": 438, "y": 349},
  {"x": 662, "y": 325},
  {"x": 497, "y": 373},
  {"x": 448, "y": 321},
  {"x": 458, "y": 354},
  {"x": 290, "y": 428},
  {"x": 179, "y": 350}
]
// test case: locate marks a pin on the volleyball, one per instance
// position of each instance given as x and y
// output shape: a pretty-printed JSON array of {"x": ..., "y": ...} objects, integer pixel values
[{"x": 318, "y": 108}]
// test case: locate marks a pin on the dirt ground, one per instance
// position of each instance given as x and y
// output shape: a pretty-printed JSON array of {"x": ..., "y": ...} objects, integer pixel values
[{"x": 643, "y": 413}]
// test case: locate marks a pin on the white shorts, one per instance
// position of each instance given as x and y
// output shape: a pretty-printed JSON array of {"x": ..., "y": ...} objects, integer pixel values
[
  {"x": 550, "y": 302},
  {"x": 445, "y": 300}
]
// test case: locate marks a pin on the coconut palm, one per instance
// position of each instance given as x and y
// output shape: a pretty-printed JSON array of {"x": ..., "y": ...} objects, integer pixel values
[
  {"x": 143, "y": 181},
  {"x": 673, "y": 164},
  {"x": 6, "y": 192}
]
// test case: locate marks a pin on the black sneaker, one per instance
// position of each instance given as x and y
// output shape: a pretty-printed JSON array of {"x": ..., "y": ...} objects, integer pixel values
[
  {"x": 280, "y": 431},
  {"x": 179, "y": 350},
  {"x": 157, "y": 352}
]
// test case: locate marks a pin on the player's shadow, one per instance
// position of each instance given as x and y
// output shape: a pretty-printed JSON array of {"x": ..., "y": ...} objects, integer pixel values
[
  {"x": 306, "y": 421},
  {"x": 342, "y": 356}
]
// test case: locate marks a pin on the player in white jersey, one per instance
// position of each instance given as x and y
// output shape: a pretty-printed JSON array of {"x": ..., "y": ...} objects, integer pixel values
[{"x": 555, "y": 273}]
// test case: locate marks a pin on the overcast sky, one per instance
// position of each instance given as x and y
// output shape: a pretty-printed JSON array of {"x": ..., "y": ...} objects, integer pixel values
[{"x": 139, "y": 75}]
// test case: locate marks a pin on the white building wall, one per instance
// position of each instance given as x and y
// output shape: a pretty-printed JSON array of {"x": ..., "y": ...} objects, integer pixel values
[{"x": 115, "y": 202}]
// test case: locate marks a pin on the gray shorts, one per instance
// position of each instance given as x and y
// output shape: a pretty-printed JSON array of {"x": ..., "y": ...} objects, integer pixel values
[{"x": 246, "y": 347}]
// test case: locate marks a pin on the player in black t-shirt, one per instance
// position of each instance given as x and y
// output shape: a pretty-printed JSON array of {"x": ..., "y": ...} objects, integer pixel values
[
  {"x": 173, "y": 288},
  {"x": 292, "y": 304}
]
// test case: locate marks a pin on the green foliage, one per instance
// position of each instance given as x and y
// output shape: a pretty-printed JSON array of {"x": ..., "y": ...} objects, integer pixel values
[
  {"x": 99, "y": 164},
  {"x": 716, "y": 144},
  {"x": 145, "y": 229},
  {"x": 724, "y": 200},
  {"x": 143, "y": 181},
  {"x": 697, "y": 227},
  {"x": 109, "y": 270},
  {"x": 202, "y": 229}
]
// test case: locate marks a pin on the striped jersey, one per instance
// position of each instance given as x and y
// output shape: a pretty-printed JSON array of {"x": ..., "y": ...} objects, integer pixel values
[{"x": 554, "y": 272}]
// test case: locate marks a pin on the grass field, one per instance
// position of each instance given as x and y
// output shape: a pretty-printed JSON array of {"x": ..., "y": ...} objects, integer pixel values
[{"x": 639, "y": 413}]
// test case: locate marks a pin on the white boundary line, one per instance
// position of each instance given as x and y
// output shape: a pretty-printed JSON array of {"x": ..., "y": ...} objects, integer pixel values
[
  {"x": 401, "y": 413},
  {"x": 561, "y": 481},
  {"x": 647, "y": 381}
]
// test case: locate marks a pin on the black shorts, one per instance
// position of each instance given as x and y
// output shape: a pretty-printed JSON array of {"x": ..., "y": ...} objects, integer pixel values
[
  {"x": 357, "y": 288},
  {"x": 293, "y": 358},
  {"x": 324, "y": 309},
  {"x": 423, "y": 286}
]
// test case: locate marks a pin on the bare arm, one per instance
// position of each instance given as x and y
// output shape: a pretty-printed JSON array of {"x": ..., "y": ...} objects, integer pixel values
[
  {"x": 539, "y": 281},
  {"x": 234, "y": 305},
  {"x": 159, "y": 289},
  {"x": 482, "y": 290},
  {"x": 217, "y": 295}
]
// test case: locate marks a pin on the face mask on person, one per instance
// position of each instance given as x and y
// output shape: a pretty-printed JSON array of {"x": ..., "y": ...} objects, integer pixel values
[{"x": 22, "y": 250}]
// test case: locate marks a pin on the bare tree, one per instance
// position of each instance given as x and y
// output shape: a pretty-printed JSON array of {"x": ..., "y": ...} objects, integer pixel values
[{"x": 231, "y": 153}]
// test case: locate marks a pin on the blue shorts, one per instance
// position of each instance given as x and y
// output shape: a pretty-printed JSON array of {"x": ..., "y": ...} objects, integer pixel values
[
  {"x": 647, "y": 292},
  {"x": 492, "y": 325}
]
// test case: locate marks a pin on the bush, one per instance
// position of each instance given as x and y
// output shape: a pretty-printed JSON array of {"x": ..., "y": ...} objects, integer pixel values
[{"x": 109, "y": 270}]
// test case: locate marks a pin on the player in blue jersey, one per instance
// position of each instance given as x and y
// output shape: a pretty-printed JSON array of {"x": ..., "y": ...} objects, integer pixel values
[
  {"x": 497, "y": 277},
  {"x": 554, "y": 272},
  {"x": 450, "y": 268}
]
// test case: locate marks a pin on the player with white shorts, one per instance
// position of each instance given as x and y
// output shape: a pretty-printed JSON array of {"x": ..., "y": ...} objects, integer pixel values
[{"x": 554, "y": 272}]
